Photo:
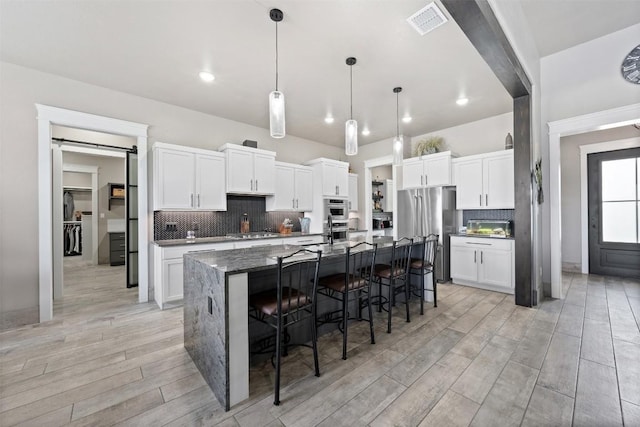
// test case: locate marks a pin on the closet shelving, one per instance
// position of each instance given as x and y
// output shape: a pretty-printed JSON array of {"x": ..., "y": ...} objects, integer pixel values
[{"x": 116, "y": 192}]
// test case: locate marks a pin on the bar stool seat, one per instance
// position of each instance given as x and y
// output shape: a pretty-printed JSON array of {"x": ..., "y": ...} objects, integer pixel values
[
  {"x": 385, "y": 271},
  {"x": 420, "y": 263},
  {"x": 337, "y": 282},
  {"x": 267, "y": 301}
]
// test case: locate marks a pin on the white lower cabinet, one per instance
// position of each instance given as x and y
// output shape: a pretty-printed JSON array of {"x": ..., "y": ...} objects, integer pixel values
[
  {"x": 483, "y": 262},
  {"x": 168, "y": 262}
]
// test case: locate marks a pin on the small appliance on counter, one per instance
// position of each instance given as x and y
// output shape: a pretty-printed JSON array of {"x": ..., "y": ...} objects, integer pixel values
[
  {"x": 305, "y": 224},
  {"x": 244, "y": 223},
  {"x": 490, "y": 228}
]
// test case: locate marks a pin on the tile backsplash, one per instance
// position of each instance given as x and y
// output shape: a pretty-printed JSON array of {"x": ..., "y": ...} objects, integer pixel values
[
  {"x": 222, "y": 223},
  {"x": 501, "y": 214}
]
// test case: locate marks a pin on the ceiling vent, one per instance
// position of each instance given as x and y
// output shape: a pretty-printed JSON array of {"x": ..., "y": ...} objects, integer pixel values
[{"x": 427, "y": 19}]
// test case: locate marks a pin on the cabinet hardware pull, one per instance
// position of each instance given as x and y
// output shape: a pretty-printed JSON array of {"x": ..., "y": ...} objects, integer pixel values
[
  {"x": 481, "y": 257},
  {"x": 475, "y": 254},
  {"x": 421, "y": 179},
  {"x": 293, "y": 203},
  {"x": 121, "y": 256},
  {"x": 486, "y": 200},
  {"x": 252, "y": 185},
  {"x": 122, "y": 245},
  {"x": 198, "y": 199},
  {"x": 256, "y": 185},
  {"x": 475, "y": 243},
  {"x": 426, "y": 179},
  {"x": 191, "y": 200},
  {"x": 297, "y": 203},
  {"x": 480, "y": 199}
]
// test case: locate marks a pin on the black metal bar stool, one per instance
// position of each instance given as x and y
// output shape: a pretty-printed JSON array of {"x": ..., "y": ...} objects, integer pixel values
[
  {"x": 422, "y": 265},
  {"x": 292, "y": 301},
  {"x": 395, "y": 275},
  {"x": 355, "y": 280}
]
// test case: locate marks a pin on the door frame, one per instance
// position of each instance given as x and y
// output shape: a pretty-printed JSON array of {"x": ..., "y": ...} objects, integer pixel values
[
  {"x": 368, "y": 189},
  {"x": 585, "y": 150},
  {"x": 48, "y": 116},
  {"x": 600, "y": 120}
]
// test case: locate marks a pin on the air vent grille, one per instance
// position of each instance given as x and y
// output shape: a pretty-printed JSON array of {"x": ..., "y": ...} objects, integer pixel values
[{"x": 427, "y": 19}]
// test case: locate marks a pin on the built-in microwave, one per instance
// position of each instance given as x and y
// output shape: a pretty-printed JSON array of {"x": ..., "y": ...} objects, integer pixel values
[{"x": 338, "y": 209}]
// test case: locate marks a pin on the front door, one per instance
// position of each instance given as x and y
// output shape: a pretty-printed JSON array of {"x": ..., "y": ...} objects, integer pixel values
[{"x": 614, "y": 209}]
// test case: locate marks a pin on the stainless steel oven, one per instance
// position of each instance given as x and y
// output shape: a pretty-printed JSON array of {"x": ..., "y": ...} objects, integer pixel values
[
  {"x": 336, "y": 230},
  {"x": 338, "y": 209}
]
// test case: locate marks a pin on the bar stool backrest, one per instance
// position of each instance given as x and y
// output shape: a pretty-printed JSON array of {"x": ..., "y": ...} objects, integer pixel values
[
  {"x": 361, "y": 259},
  {"x": 297, "y": 285},
  {"x": 430, "y": 249},
  {"x": 401, "y": 257}
]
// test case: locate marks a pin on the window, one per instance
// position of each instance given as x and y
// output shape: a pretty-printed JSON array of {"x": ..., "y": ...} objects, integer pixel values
[{"x": 620, "y": 208}]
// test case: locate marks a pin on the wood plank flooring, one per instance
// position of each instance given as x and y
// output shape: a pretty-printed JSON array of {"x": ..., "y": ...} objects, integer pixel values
[{"x": 475, "y": 360}]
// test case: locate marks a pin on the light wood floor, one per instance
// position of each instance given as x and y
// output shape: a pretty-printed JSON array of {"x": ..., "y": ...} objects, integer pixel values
[{"x": 475, "y": 360}]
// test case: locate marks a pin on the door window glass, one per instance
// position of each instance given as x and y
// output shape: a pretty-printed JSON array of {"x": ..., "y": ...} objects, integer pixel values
[{"x": 621, "y": 200}]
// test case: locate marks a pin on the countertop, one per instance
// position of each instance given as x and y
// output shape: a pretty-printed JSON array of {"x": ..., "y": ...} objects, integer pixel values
[
  {"x": 254, "y": 259},
  {"x": 480, "y": 236},
  {"x": 222, "y": 239}
]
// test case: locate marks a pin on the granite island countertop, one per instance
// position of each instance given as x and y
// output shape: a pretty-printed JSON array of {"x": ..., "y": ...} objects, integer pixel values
[
  {"x": 254, "y": 259},
  {"x": 231, "y": 238}
]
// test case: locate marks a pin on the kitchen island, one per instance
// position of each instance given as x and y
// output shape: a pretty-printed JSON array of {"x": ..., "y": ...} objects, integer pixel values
[{"x": 216, "y": 314}]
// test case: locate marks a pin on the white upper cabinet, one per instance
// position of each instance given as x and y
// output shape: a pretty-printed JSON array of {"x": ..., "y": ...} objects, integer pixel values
[
  {"x": 427, "y": 171},
  {"x": 485, "y": 181},
  {"x": 293, "y": 188},
  {"x": 187, "y": 178},
  {"x": 249, "y": 170},
  {"x": 353, "y": 192},
  {"x": 334, "y": 176}
]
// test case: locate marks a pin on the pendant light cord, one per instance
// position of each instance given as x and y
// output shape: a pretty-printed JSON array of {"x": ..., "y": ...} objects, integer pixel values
[
  {"x": 276, "y": 56},
  {"x": 397, "y": 115},
  {"x": 351, "y": 91}
]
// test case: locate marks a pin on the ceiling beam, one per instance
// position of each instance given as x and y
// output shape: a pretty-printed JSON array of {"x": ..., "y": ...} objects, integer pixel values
[{"x": 480, "y": 25}]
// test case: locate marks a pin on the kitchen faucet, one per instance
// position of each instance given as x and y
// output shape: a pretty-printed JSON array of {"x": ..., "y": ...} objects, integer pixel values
[{"x": 330, "y": 224}]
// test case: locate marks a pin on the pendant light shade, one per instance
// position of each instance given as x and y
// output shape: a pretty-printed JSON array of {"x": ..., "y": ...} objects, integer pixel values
[
  {"x": 398, "y": 141},
  {"x": 276, "y": 98},
  {"x": 351, "y": 126}
]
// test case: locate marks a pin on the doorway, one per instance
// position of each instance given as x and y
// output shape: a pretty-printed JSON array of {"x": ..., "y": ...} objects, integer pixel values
[
  {"x": 47, "y": 117},
  {"x": 614, "y": 204},
  {"x": 370, "y": 166},
  {"x": 90, "y": 203}
]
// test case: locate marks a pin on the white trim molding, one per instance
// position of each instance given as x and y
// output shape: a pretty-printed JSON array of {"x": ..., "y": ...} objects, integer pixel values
[
  {"x": 48, "y": 116},
  {"x": 607, "y": 119},
  {"x": 585, "y": 150}
]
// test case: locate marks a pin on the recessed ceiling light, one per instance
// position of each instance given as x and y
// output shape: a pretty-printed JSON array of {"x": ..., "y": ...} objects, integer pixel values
[
  {"x": 207, "y": 76},
  {"x": 407, "y": 119},
  {"x": 462, "y": 101},
  {"x": 365, "y": 132},
  {"x": 328, "y": 119}
]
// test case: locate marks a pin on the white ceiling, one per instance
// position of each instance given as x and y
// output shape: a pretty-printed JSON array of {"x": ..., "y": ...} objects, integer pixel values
[{"x": 155, "y": 50}]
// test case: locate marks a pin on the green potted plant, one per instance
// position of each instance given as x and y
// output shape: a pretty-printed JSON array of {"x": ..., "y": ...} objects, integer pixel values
[{"x": 429, "y": 145}]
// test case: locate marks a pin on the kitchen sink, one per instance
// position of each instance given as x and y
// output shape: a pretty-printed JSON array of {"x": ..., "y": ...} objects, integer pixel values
[{"x": 240, "y": 236}]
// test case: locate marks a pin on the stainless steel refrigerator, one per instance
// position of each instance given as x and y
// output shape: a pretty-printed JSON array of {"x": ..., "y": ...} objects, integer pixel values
[{"x": 427, "y": 211}]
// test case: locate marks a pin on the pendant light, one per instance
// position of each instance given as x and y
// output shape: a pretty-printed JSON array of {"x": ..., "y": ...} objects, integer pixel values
[
  {"x": 276, "y": 98},
  {"x": 398, "y": 143},
  {"x": 351, "y": 126}
]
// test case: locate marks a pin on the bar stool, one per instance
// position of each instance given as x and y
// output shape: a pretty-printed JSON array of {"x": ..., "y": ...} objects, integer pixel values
[
  {"x": 395, "y": 275},
  {"x": 355, "y": 280},
  {"x": 292, "y": 301},
  {"x": 425, "y": 264}
]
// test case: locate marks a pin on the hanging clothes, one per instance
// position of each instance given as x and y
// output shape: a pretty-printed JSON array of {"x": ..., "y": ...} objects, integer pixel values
[
  {"x": 72, "y": 239},
  {"x": 69, "y": 206}
]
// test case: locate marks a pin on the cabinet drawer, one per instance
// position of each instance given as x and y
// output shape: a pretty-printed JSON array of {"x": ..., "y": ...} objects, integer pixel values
[
  {"x": 116, "y": 257},
  {"x": 116, "y": 236},
  {"x": 493, "y": 243}
]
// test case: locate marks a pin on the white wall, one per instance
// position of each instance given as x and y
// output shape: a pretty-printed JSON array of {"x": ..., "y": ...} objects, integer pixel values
[
  {"x": 482, "y": 136},
  {"x": 580, "y": 80},
  {"x": 21, "y": 88}
]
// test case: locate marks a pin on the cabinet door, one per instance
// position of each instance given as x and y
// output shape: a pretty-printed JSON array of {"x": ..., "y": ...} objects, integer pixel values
[
  {"x": 239, "y": 172},
  {"x": 329, "y": 186},
  {"x": 498, "y": 182},
  {"x": 412, "y": 174},
  {"x": 211, "y": 192},
  {"x": 174, "y": 180},
  {"x": 264, "y": 167},
  {"x": 437, "y": 171},
  {"x": 464, "y": 263},
  {"x": 353, "y": 192},
  {"x": 342, "y": 181},
  {"x": 494, "y": 267},
  {"x": 303, "y": 190},
  {"x": 388, "y": 196},
  {"x": 172, "y": 278},
  {"x": 284, "y": 196},
  {"x": 468, "y": 175}
]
